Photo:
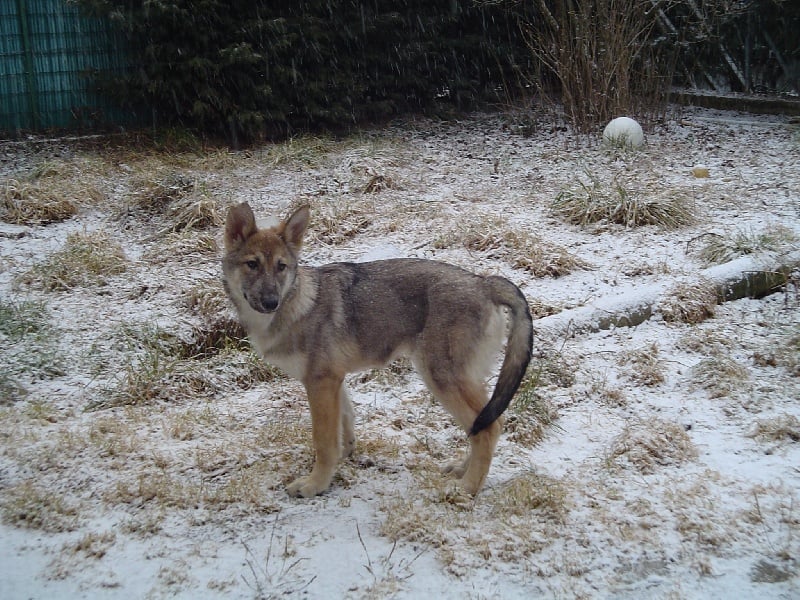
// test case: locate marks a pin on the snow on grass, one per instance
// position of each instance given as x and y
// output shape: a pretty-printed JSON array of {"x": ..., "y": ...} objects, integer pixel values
[{"x": 145, "y": 449}]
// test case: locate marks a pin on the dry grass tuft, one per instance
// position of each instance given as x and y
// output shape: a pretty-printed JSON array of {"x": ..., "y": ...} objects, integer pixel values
[
  {"x": 183, "y": 243},
  {"x": 30, "y": 204},
  {"x": 307, "y": 150},
  {"x": 782, "y": 352},
  {"x": 208, "y": 299},
  {"x": 195, "y": 213},
  {"x": 606, "y": 392},
  {"x": 721, "y": 248},
  {"x": 34, "y": 506},
  {"x": 523, "y": 250},
  {"x": 87, "y": 259},
  {"x": 378, "y": 182},
  {"x": 153, "y": 196},
  {"x": 646, "y": 366},
  {"x": 540, "y": 309},
  {"x": 393, "y": 374},
  {"x": 720, "y": 375},
  {"x": 21, "y": 319},
  {"x": 411, "y": 521},
  {"x": 788, "y": 355},
  {"x": 532, "y": 495},
  {"x": 531, "y": 414},
  {"x": 705, "y": 341},
  {"x": 650, "y": 444},
  {"x": 162, "y": 368},
  {"x": 242, "y": 486},
  {"x": 179, "y": 199},
  {"x": 91, "y": 545},
  {"x": 29, "y": 347},
  {"x": 777, "y": 429},
  {"x": 52, "y": 192},
  {"x": 338, "y": 221},
  {"x": 689, "y": 303},
  {"x": 595, "y": 203}
]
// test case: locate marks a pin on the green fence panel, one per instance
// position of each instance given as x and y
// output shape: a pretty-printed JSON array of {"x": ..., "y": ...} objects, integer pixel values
[{"x": 47, "y": 50}]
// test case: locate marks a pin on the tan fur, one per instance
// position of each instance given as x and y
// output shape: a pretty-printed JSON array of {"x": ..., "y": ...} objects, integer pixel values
[{"x": 318, "y": 324}]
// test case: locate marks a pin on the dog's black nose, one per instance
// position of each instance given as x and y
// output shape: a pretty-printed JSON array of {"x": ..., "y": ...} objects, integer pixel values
[{"x": 269, "y": 304}]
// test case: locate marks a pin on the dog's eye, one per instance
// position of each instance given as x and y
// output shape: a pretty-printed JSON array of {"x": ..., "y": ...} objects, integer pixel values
[
  {"x": 252, "y": 264},
  {"x": 281, "y": 265}
]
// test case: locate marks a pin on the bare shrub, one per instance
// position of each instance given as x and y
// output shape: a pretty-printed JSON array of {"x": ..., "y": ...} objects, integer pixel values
[{"x": 599, "y": 55}]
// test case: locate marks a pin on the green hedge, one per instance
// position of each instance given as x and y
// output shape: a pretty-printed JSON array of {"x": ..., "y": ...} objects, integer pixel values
[{"x": 244, "y": 68}]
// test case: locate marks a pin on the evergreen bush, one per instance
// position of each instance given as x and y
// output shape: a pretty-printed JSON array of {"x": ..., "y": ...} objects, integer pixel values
[{"x": 243, "y": 68}]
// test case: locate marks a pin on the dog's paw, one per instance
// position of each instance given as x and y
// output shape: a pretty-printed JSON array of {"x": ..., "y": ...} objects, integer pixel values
[{"x": 305, "y": 487}]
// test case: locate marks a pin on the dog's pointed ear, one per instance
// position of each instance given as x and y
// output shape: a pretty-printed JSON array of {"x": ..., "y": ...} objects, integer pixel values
[
  {"x": 294, "y": 228},
  {"x": 240, "y": 225}
]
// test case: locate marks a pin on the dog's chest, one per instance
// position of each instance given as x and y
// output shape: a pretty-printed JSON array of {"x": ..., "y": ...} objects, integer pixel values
[{"x": 272, "y": 346}]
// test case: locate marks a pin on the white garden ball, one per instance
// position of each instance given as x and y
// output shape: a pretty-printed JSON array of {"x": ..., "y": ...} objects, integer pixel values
[{"x": 624, "y": 131}]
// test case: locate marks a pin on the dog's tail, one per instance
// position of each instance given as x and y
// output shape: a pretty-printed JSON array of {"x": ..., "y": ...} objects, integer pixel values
[{"x": 518, "y": 351}]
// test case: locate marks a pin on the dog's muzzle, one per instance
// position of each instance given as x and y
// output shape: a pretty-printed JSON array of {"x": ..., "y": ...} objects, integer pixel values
[{"x": 265, "y": 304}]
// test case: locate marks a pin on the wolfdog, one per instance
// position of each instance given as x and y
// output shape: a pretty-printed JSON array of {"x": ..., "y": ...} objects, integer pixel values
[{"x": 319, "y": 323}]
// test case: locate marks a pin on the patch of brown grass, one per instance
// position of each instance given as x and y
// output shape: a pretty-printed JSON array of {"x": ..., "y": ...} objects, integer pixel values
[
  {"x": 523, "y": 250},
  {"x": 87, "y": 259},
  {"x": 720, "y": 375},
  {"x": 531, "y": 413},
  {"x": 649, "y": 444},
  {"x": 180, "y": 244},
  {"x": 595, "y": 202},
  {"x": 720, "y": 248},
  {"x": 337, "y": 221},
  {"x": 24, "y": 203},
  {"x": 53, "y": 191},
  {"x": 689, "y": 303},
  {"x": 784, "y": 427},
  {"x": 645, "y": 366},
  {"x": 532, "y": 495},
  {"x": 34, "y": 506}
]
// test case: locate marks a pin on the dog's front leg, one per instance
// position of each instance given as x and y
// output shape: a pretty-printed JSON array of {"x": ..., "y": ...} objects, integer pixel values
[{"x": 324, "y": 401}]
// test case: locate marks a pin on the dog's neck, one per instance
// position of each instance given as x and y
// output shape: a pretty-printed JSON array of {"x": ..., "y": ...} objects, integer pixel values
[{"x": 300, "y": 298}]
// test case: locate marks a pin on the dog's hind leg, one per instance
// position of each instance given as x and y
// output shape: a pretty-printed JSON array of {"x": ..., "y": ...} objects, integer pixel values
[
  {"x": 464, "y": 400},
  {"x": 482, "y": 447},
  {"x": 324, "y": 399},
  {"x": 348, "y": 417},
  {"x": 464, "y": 403}
]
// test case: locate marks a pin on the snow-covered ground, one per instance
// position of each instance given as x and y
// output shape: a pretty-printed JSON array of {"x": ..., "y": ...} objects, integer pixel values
[{"x": 656, "y": 461}]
